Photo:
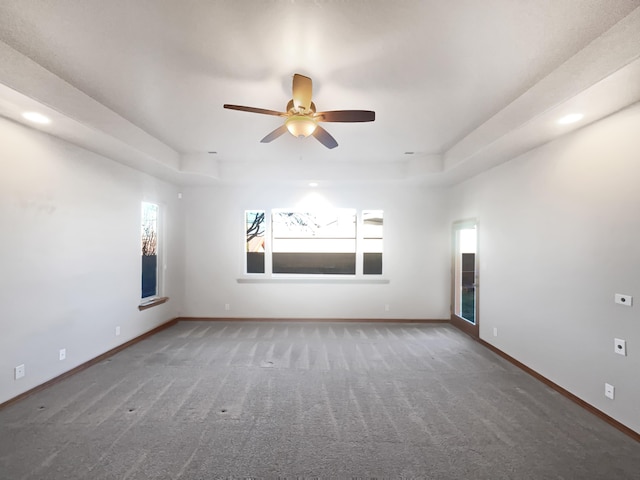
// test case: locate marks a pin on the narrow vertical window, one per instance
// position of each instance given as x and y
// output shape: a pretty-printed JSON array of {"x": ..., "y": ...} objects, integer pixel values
[
  {"x": 149, "y": 250},
  {"x": 372, "y": 221},
  {"x": 255, "y": 240}
]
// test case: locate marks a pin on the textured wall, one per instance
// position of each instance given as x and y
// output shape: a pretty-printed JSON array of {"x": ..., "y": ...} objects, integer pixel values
[
  {"x": 70, "y": 255},
  {"x": 416, "y": 249},
  {"x": 558, "y": 237}
]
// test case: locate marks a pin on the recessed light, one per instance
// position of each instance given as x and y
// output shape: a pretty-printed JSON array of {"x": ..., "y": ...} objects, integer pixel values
[
  {"x": 313, "y": 184},
  {"x": 571, "y": 118},
  {"x": 36, "y": 117}
]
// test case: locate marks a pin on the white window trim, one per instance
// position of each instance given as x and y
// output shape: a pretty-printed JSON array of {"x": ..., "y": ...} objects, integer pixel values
[{"x": 269, "y": 277}]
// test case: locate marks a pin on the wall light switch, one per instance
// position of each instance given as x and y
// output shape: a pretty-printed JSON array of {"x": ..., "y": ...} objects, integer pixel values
[
  {"x": 624, "y": 299},
  {"x": 609, "y": 391},
  {"x": 620, "y": 346}
]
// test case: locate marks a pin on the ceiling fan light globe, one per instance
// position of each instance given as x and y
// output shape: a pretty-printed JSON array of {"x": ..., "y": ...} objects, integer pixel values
[{"x": 300, "y": 125}]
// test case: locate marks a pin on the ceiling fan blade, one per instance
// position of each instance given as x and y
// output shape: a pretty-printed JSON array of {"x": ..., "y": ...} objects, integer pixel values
[
  {"x": 255, "y": 110},
  {"x": 275, "y": 134},
  {"x": 324, "y": 137},
  {"x": 302, "y": 88},
  {"x": 346, "y": 116}
]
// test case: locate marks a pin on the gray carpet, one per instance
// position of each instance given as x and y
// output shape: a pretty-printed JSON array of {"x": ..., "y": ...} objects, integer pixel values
[{"x": 205, "y": 400}]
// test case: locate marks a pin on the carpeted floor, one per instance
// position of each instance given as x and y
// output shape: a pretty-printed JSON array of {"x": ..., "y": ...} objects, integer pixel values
[{"x": 204, "y": 400}]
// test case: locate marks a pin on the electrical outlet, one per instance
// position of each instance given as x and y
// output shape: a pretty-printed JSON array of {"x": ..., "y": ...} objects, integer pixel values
[
  {"x": 386, "y": 307},
  {"x": 609, "y": 391},
  {"x": 117, "y": 330},
  {"x": 620, "y": 346},
  {"x": 19, "y": 371},
  {"x": 227, "y": 307},
  {"x": 624, "y": 299},
  {"x": 495, "y": 331},
  {"x": 62, "y": 354}
]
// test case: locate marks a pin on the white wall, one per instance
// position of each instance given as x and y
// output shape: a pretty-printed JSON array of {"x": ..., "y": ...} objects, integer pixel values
[
  {"x": 559, "y": 234},
  {"x": 70, "y": 255},
  {"x": 415, "y": 255}
]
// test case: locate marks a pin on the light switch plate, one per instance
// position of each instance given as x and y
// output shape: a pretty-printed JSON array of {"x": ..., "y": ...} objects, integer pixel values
[
  {"x": 620, "y": 346},
  {"x": 621, "y": 299}
]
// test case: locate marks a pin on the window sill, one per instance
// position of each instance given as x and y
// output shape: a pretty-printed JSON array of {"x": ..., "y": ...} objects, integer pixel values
[
  {"x": 328, "y": 280},
  {"x": 152, "y": 303}
]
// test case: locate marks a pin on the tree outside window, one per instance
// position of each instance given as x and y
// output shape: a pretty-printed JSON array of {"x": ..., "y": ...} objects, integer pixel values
[{"x": 149, "y": 238}]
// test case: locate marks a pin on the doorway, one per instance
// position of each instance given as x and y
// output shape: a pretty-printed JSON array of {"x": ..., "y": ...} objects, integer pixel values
[{"x": 464, "y": 314}]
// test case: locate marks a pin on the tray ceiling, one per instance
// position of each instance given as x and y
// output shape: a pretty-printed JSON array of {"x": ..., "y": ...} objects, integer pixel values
[{"x": 461, "y": 85}]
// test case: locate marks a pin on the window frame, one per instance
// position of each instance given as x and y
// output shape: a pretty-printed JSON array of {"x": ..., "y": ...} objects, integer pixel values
[
  {"x": 363, "y": 242},
  {"x": 159, "y": 297},
  {"x": 344, "y": 219},
  {"x": 268, "y": 275}
]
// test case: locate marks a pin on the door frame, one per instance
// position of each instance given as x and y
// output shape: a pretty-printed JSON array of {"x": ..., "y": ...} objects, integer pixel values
[{"x": 472, "y": 329}]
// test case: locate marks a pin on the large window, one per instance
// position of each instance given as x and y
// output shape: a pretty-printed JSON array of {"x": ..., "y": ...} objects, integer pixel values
[
  {"x": 322, "y": 242},
  {"x": 149, "y": 236},
  {"x": 314, "y": 242}
]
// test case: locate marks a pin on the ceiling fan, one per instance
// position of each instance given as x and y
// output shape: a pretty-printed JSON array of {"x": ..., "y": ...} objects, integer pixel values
[{"x": 302, "y": 118}]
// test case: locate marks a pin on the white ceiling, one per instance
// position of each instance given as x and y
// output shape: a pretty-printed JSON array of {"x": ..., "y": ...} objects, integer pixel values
[{"x": 464, "y": 84}]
